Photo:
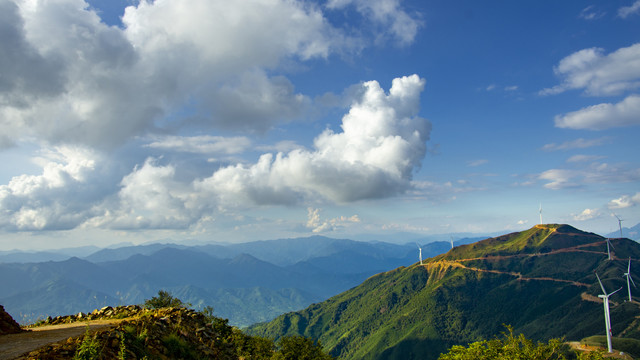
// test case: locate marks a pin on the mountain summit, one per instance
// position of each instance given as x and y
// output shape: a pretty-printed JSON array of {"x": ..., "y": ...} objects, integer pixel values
[{"x": 540, "y": 281}]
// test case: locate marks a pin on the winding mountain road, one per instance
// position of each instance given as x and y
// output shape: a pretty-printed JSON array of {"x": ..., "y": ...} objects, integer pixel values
[
  {"x": 579, "y": 248},
  {"x": 13, "y": 346}
]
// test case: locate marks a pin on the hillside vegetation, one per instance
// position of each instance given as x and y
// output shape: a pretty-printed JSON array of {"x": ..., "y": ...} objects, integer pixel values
[
  {"x": 246, "y": 283},
  {"x": 540, "y": 281},
  {"x": 159, "y": 332}
]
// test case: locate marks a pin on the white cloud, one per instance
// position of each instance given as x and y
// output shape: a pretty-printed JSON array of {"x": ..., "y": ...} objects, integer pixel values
[
  {"x": 591, "y": 13},
  {"x": 626, "y": 11},
  {"x": 597, "y": 73},
  {"x": 150, "y": 197},
  {"x": 584, "y": 158},
  {"x": 575, "y": 144},
  {"x": 594, "y": 173},
  {"x": 61, "y": 197},
  {"x": 603, "y": 116},
  {"x": 478, "y": 162},
  {"x": 70, "y": 78},
  {"x": 381, "y": 143},
  {"x": 254, "y": 102},
  {"x": 204, "y": 144},
  {"x": 587, "y": 214},
  {"x": 625, "y": 201},
  {"x": 387, "y": 14},
  {"x": 318, "y": 225},
  {"x": 559, "y": 179}
]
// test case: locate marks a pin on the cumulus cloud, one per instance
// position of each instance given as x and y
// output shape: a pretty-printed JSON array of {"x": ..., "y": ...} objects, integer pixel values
[
  {"x": 626, "y": 11},
  {"x": 317, "y": 224},
  {"x": 603, "y": 116},
  {"x": 70, "y": 78},
  {"x": 587, "y": 214},
  {"x": 255, "y": 102},
  {"x": 61, "y": 197},
  {"x": 624, "y": 201},
  {"x": 381, "y": 143},
  {"x": 559, "y": 179},
  {"x": 388, "y": 14},
  {"x": 150, "y": 197},
  {"x": 599, "y": 74}
]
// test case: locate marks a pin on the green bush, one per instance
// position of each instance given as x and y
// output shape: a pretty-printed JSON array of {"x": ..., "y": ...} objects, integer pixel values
[
  {"x": 517, "y": 347},
  {"x": 164, "y": 300},
  {"x": 299, "y": 348},
  {"x": 88, "y": 349},
  {"x": 177, "y": 348}
]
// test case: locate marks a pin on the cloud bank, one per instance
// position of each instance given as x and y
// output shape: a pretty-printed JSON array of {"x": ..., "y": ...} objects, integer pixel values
[
  {"x": 381, "y": 143},
  {"x": 68, "y": 78}
]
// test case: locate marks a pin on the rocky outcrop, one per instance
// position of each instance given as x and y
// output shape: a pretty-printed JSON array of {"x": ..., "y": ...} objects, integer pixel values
[
  {"x": 168, "y": 333},
  {"x": 107, "y": 312},
  {"x": 7, "y": 324}
]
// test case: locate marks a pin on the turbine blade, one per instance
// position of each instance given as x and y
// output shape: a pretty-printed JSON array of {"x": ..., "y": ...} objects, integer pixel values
[
  {"x": 629, "y": 266},
  {"x": 601, "y": 286},
  {"x": 633, "y": 282},
  {"x": 614, "y": 292}
]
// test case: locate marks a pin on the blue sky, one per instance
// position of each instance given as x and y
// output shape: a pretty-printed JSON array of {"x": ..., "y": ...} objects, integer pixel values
[{"x": 203, "y": 120}]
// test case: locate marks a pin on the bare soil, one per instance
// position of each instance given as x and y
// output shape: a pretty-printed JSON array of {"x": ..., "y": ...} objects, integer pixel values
[{"x": 12, "y": 346}]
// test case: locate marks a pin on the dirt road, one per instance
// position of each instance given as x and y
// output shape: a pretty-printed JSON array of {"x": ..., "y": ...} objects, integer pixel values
[{"x": 14, "y": 345}]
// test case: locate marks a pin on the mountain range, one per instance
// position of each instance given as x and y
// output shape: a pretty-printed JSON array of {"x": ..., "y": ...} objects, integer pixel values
[
  {"x": 246, "y": 283},
  {"x": 541, "y": 281}
]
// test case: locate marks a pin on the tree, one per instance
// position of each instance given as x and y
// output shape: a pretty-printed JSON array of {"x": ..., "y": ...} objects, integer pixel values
[
  {"x": 164, "y": 300},
  {"x": 516, "y": 347},
  {"x": 300, "y": 348}
]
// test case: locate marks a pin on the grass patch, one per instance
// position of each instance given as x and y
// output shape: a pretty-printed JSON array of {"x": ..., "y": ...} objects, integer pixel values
[{"x": 629, "y": 346}]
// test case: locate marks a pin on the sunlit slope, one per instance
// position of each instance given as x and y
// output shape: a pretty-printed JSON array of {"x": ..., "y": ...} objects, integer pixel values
[{"x": 540, "y": 281}]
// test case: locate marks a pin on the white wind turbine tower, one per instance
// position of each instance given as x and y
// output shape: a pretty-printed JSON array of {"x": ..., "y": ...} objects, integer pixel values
[
  {"x": 420, "y": 254},
  {"x": 452, "y": 242},
  {"x": 619, "y": 224},
  {"x": 540, "y": 211},
  {"x": 607, "y": 316},
  {"x": 609, "y": 244},
  {"x": 629, "y": 279}
]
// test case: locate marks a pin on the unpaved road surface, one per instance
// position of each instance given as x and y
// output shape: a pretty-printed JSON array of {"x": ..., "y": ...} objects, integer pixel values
[{"x": 14, "y": 345}]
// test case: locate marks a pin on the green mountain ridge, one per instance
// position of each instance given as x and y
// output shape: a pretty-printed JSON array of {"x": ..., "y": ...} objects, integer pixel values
[{"x": 540, "y": 281}]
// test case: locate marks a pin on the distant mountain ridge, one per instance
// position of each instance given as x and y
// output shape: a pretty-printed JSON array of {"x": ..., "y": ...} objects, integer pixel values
[
  {"x": 541, "y": 281},
  {"x": 246, "y": 283}
]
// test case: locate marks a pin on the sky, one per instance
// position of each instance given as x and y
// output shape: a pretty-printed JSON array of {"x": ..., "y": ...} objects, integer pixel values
[{"x": 232, "y": 121}]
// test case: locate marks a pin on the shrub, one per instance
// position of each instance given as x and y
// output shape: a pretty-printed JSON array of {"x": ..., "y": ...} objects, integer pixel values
[
  {"x": 163, "y": 300},
  {"x": 516, "y": 347},
  {"x": 88, "y": 349}
]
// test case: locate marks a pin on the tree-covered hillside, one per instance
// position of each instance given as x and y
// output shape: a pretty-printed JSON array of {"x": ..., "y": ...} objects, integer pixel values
[{"x": 540, "y": 281}]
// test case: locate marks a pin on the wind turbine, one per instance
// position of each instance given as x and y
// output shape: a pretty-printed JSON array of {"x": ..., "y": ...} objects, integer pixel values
[
  {"x": 619, "y": 224},
  {"x": 452, "y": 242},
  {"x": 607, "y": 316},
  {"x": 540, "y": 211},
  {"x": 609, "y": 243},
  {"x": 629, "y": 278},
  {"x": 420, "y": 255}
]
